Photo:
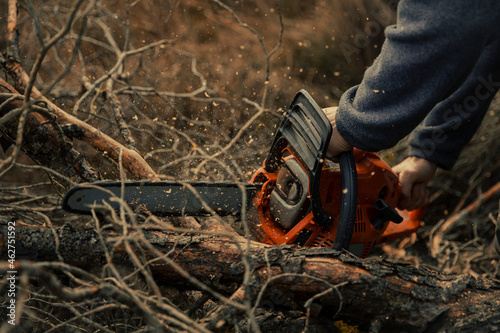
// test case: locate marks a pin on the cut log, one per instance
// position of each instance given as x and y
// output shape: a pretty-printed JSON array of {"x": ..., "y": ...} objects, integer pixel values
[{"x": 371, "y": 293}]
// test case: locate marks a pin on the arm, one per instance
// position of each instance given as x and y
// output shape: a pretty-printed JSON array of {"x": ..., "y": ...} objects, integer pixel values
[
  {"x": 430, "y": 55},
  {"x": 435, "y": 58}
]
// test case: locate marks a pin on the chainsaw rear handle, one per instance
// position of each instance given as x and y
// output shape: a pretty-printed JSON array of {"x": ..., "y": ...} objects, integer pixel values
[{"x": 307, "y": 131}]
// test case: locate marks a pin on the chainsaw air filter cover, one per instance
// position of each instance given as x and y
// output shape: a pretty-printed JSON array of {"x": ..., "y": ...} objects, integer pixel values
[{"x": 289, "y": 202}]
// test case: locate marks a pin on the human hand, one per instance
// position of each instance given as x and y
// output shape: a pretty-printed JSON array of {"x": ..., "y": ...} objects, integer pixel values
[
  {"x": 414, "y": 174},
  {"x": 337, "y": 143}
]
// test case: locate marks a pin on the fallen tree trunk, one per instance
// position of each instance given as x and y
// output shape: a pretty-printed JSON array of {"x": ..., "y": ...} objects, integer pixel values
[{"x": 375, "y": 295}]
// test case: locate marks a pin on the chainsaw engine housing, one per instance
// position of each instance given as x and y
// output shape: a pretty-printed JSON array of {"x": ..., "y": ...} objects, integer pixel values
[
  {"x": 307, "y": 201},
  {"x": 285, "y": 216}
]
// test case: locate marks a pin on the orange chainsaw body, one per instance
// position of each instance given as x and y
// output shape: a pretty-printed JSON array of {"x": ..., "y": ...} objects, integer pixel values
[{"x": 286, "y": 219}]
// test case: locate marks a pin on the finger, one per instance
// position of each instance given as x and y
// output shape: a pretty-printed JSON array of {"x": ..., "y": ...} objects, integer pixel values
[
  {"x": 337, "y": 144},
  {"x": 424, "y": 196},
  {"x": 407, "y": 180},
  {"x": 419, "y": 197},
  {"x": 405, "y": 193},
  {"x": 330, "y": 113},
  {"x": 403, "y": 204}
]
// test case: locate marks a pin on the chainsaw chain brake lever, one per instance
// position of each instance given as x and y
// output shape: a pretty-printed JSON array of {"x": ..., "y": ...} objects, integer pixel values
[{"x": 307, "y": 131}]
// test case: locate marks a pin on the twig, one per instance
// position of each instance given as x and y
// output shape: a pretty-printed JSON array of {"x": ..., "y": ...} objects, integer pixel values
[
  {"x": 457, "y": 217},
  {"x": 12, "y": 33},
  {"x": 46, "y": 47},
  {"x": 117, "y": 111},
  {"x": 133, "y": 162},
  {"x": 473, "y": 183}
]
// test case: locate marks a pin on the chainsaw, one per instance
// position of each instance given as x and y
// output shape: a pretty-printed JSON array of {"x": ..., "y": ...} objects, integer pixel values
[{"x": 298, "y": 196}]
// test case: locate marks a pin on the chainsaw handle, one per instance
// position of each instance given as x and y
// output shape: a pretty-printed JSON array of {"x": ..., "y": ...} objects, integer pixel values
[
  {"x": 307, "y": 131},
  {"x": 348, "y": 201}
]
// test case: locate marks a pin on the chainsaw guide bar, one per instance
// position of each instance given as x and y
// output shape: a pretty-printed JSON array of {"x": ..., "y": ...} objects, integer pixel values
[{"x": 165, "y": 198}]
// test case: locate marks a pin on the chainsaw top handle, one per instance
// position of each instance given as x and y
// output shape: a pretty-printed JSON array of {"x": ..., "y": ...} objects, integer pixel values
[{"x": 307, "y": 131}]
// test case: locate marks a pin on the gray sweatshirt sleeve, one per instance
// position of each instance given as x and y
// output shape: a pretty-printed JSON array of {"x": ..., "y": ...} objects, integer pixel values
[{"x": 438, "y": 54}]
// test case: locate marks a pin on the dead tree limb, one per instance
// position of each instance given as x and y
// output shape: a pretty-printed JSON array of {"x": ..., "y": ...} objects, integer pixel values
[
  {"x": 43, "y": 140},
  {"x": 132, "y": 161},
  {"x": 24, "y": 83},
  {"x": 377, "y": 294}
]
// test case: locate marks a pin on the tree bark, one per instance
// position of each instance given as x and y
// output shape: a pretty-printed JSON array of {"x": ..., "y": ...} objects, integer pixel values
[{"x": 375, "y": 295}]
